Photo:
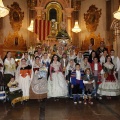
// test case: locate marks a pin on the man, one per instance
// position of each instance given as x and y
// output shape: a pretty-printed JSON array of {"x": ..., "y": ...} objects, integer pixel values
[
  {"x": 101, "y": 49},
  {"x": 89, "y": 51}
]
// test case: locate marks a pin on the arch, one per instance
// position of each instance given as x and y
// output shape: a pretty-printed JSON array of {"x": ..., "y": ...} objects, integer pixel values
[
  {"x": 53, "y": 14},
  {"x": 63, "y": 3},
  {"x": 56, "y": 7}
]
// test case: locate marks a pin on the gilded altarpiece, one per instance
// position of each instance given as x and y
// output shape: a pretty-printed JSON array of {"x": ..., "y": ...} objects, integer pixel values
[{"x": 14, "y": 41}]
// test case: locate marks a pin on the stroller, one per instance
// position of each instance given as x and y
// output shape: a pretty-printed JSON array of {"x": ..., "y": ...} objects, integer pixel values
[
  {"x": 2, "y": 93},
  {"x": 14, "y": 95},
  {"x": 2, "y": 89}
]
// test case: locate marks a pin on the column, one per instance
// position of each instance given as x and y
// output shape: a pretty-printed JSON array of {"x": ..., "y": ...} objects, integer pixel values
[
  {"x": 68, "y": 12},
  {"x": 39, "y": 11}
]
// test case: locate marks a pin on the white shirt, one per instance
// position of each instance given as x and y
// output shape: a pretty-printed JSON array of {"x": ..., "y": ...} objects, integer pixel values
[
  {"x": 78, "y": 75},
  {"x": 102, "y": 59},
  {"x": 64, "y": 61},
  {"x": 95, "y": 66}
]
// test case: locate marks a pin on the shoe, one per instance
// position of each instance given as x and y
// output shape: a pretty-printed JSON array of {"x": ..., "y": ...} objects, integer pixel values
[
  {"x": 75, "y": 103},
  {"x": 85, "y": 102},
  {"x": 79, "y": 102},
  {"x": 90, "y": 102},
  {"x": 40, "y": 78},
  {"x": 100, "y": 98}
]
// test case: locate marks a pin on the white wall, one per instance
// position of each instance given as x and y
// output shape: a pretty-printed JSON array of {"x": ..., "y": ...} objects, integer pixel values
[
  {"x": 100, "y": 4},
  {"x": 6, "y": 22}
]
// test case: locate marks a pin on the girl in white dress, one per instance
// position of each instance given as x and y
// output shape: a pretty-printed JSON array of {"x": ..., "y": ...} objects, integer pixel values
[{"x": 57, "y": 85}]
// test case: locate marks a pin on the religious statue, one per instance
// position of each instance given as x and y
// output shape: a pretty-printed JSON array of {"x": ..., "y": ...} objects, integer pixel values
[
  {"x": 62, "y": 34},
  {"x": 53, "y": 30}
]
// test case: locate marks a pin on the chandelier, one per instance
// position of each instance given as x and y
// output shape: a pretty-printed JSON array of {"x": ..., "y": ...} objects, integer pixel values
[
  {"x": 31, "y": 27},
  {"x": 76, "y": 7},
  {"x": 3, "y": 10},
  {"x": 76, "y": 28}
]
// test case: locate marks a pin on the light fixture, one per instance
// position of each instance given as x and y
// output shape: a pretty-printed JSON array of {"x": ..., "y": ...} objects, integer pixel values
[
  {"x": 31, "y": 27},
  {"x": 76, "y": 28},
  {"x": 3, "y": 10}
]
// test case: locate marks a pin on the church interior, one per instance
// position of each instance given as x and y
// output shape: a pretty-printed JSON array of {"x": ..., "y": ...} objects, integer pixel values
[
  {"x": 95, "y": 19},
  {"x": 28, "y": 24}
]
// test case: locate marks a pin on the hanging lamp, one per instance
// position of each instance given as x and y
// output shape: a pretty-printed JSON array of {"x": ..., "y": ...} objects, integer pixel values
[{"x": 76, "y": 28}]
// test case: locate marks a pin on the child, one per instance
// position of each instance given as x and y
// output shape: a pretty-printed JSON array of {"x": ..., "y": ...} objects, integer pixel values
[
  {"x": 88, "y": 80},
  {"x": 15, "y": 93},
  {"x": 69, "y": 69},
  {"x": 13, "y": 85},
  {"x": 77, "y": 83}
]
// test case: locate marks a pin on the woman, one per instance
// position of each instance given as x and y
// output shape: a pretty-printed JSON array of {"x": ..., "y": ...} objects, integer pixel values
[
  {"x": 71, "y": 55},
  {"x": 79, "y": 58},
  {"x": 38, "y": 89},
  {"x": 91, "y": 57},
  {"x": 64, "y": 62},
  {"x": 9, "y": 67},
  {"x": 45, "y": 60},
  {"x": 23, "y": 76},
  {"x": 57, "y": 86},
  {"x": 85, "y": 64},
  {"x": 109, "y": 87}
]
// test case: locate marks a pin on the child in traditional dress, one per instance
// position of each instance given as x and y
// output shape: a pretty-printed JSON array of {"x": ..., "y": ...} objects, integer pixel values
[
  {"x": 77, "y": 84},
  {"x": 88, "y": 80},
  {"x": 13, "y": 84}
]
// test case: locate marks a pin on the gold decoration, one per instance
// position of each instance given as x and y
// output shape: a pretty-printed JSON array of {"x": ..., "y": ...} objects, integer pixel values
[
  {"x": 16, "y": 16},
  {"x": 92, "y": 18},
  {"x": 14, "y": 42},
  {"x": 58, "y": 8},
  {"x": 18, "y": 99},
  {"x": 32, "y": 3},
  {"x": 92, "y": 39}
]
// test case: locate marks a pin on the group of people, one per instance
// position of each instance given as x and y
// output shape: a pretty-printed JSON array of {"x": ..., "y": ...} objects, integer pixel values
[{"x": 64, "y": 73}]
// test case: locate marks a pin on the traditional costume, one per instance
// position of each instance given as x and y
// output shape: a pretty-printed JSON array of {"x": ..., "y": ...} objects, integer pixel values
[
  {"x": 23, "y": 76},
  {"x": 84, "y": 65},
  {"x": 96, "y": 70},
  {"x": 77, "y": 82},
  {"x": 9, "y": 69},
  {"x": 57, "y": 87},
  {"x": 88, "y": 83},
  {"x": 109, "y": 86},
  {"x": 69, "y": 70},
  {"x": 38, "y": 87}
]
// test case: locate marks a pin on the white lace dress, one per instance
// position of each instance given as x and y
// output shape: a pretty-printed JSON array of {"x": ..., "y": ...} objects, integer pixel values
[{"x": 57, "y": 87}]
